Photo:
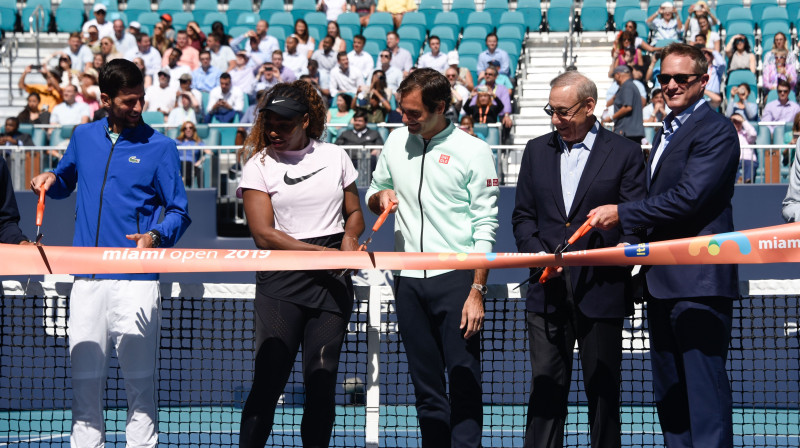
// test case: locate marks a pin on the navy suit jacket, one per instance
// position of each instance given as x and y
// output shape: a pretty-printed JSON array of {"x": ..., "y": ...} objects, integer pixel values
[
  {"x": 690, "y": 194},
  {"x": 614, "y": 173}
]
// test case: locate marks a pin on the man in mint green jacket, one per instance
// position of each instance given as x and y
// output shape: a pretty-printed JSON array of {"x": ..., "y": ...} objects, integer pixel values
[{"x": 442, "y": 184}]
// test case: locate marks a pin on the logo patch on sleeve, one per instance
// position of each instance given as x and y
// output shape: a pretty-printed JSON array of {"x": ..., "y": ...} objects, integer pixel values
[
  {"x": 443, "y": 159},
  {"x": 492, "y": 182}
]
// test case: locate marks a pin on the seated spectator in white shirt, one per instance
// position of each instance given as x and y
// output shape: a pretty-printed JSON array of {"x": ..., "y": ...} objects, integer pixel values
[
  {"x": 104, "y": 28},
  {"x": 344, "y": 78},
  {"x": 267, "y": 43},
  {"x": 222, "y": 56},
  {"x": 148, "y": 53},
  {"x": 160, "y": 97},
  {"x": 434, "y": 59},
  {"x": 294, "y": 60},
  {"x": 79, "y": 54},
  {"x": 175, "y": 70},
  {"x": 401, "y": 58},
  {"x": 123, "y": 40},
  {"x": 184, "y": 112},
  {"x": 69, "y": 112},
  {"x": 360, "y": 59},
  {"x": 325, "y": 56},
  {"x": 226, "y": 102}
]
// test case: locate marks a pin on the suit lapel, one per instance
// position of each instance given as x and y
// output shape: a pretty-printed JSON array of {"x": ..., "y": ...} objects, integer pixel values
[
  {"x": 554, "y": 171},
  {"x": 687, "y": 129},
  {"x": 597, "y": 157},
  {"x": 656, "y": 142}
]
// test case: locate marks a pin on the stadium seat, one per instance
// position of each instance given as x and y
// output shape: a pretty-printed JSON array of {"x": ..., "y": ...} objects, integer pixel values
[
  {"x": 737, "y": 77},
  {"x": 345, "y": 33},
  {"x": 471, "y": 63},
  {"x": 736, "y": 15},
  {"x": 134, "y": 8},
  {"x": 247, "y": 19},
  {"x": 238, "y": 30},
  {"x": 741, "y": 28},
  {"x": 349, "y": 20},
  {"x": 111, "y": 5},
  {"x": 212, "y": 17},
  {"x": 510, "y": 32},
  {"x": 531, "y": 10},
  {"x": 412, "y": 47},
  {"x": 203, "y": 7},
  {"x": 238, "y": 7},
  {"x": 181, "y": 19},
  {"x": 446, "y": 35},
  {"x": 517, "y": 20},
  {"x": 792, "y": 9},
  {"x": 65, "y": 132},
  {"x": 661, "y": 43},
  {"x": 318, "y": 21},
  {"x": 375, "y": 34},
  {"x": 374, "y": 48},
  {"x": 148, "y": 19},
  {"x": 496, "y": 8},
  {"x": 470, "y": 48},
  {"x": 383, "y": 20},
  {"x": 638, "y": 16},
  {"x": 480, "y": 18},
  {"x": 463, "y": 8},
  {"x": 558, "y": 15},
  {"x": 757, "y": 7},
  {"x": 773, "y": 14},
  {"x": 269, "y": 7},
  {"x": 114, "y": 15},
  {"x": 278, "y": 33},
  {"x": 411, "y": 33},
  {"x": 514, "y": 49},
  {"x": 301, "y": 7},
  {"x": 474, "y": 34},
  {"x": 170, "y": 7},
  {"x": 430, "y": 8},
  {"x": 69, "y": 16},
  {"x": 621, "y": 8},
  {"x": 654, "y": 5},
  {"x": 448, "y": 19},
  {"x": 594, "y": 15},
  {"x": 27, "y": 12},
  {"x": 284, "y": 21},
  {"x": 770, "y": 30},
  {"x": 415, "y": 19}
]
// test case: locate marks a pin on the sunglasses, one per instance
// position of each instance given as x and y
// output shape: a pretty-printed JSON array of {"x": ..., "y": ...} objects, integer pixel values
[
  {"x": 561, "y": 112},
  {"x": 384, "y": 55},
  {"x": 782, "y": 91},
  {"x": 680, "y": 78}
]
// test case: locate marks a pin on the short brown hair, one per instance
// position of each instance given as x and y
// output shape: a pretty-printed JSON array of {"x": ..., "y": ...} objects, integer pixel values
[
  {"x": 435, "y": 88},
  {"x": 690, "y": 51}
]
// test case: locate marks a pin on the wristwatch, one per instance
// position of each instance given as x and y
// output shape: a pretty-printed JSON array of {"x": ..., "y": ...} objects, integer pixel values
[
  {"x": 156, "y": 236},
  {"x": 483, "y": 289}
]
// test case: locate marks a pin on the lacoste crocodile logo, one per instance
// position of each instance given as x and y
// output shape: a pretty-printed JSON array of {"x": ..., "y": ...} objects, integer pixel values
[
  {"x": 292, "y": 181},
  {"x": 133, "y": 159}
]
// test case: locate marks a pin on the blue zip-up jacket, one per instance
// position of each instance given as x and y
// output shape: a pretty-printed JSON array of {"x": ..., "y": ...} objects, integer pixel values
[{"x": 122, "y": 188}]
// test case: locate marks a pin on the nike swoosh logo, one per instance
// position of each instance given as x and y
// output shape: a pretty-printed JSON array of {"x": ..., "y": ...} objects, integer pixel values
[
  {"x": 277, "y": 101},
  {"x": 292, "y": 181}
]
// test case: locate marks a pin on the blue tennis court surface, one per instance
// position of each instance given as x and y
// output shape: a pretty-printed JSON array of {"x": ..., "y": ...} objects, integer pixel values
[{"x": 220, "y": 427}]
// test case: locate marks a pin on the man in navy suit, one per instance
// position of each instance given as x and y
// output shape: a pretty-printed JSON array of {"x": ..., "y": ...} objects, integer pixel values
[
  {"x": 563, "y": 176},
  {"x": 690, "y": 176}
]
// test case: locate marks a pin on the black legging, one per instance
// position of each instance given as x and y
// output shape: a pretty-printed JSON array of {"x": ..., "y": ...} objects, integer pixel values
[{"x": 280, "y": 329}]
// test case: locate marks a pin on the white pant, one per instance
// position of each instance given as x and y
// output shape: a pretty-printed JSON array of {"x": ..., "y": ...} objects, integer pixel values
[{"x": 124, "y": 314}]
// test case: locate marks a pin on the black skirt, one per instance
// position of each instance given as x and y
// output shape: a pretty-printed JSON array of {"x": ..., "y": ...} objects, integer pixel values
[{"x": 313, "y": 289}]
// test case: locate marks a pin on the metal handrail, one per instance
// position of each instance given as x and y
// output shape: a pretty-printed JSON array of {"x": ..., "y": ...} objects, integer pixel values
[
  {"x": 37, "y": 22},
  {"x": 8, "y": 54}
]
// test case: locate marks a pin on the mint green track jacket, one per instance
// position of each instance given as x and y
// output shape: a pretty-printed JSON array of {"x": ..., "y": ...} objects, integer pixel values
[{"x": 447, "y": 193}]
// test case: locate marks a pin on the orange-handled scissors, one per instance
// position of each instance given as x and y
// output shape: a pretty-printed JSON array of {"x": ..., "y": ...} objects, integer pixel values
[
  {"x": 375, "y": 227},
  {"x": 548, "y": 271},
  {"x": 40, "y": 215}
]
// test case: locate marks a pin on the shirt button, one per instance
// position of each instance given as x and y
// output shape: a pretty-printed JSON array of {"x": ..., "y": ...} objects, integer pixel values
[{"x": 567, "y": 224}]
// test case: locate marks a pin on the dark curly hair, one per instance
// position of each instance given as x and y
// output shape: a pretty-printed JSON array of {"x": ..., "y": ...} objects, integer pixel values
[{"x": 300, "y": 91}]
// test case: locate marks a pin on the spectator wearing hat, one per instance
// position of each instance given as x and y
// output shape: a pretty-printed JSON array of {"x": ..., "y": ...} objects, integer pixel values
[
  {"x": 104, "y": 28},
  {"x": 176, "y": 70},
  {"x": 166, "y": 23},
  {"x": 493, "y": 53},
  {"x": 189, "y": 56},
  {"x": 79, "y": 54},
  {"x": 692, "y": 25},
  {"x": 122, "y": 40},
  {"x": 206, "y": 77},
  {"x": 225, "y": 102},
  {"x": 434, "y": 59},
  {"x": 665, "y": 23},
  {"x": 149, "y": 54},
  {"x": 160, "y": 97},
  {"x": 393, "y": 74},
  {"x": 266, "y": 43},
  {"x": 185, "y": 86},
  {"x": 222, "y": 56},
  {"x": 242, "y": 74},
  {"x": 501, "y": 79},
  {"x": 464, "y": 74},
  {"x": 134, "y": 28},
  {"x": 183, "y": 110},
  {"x": 486, "y": 108},
  {"x": 499, "y": 91},
  {"x": 627, "y": 118}
]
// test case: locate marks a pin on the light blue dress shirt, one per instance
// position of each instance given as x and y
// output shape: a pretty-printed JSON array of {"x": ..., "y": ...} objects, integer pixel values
[{"x": 573, "y": 161}]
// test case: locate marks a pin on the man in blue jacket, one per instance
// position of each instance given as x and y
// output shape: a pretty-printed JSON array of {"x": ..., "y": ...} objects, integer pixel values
[
  {"x": 126, "y": 174},
  {"x": 10, "y": 232},
  {"x": 690, "y": 175}
]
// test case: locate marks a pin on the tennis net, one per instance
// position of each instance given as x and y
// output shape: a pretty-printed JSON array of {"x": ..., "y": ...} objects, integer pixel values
[{"x": 206, "y": 369}]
